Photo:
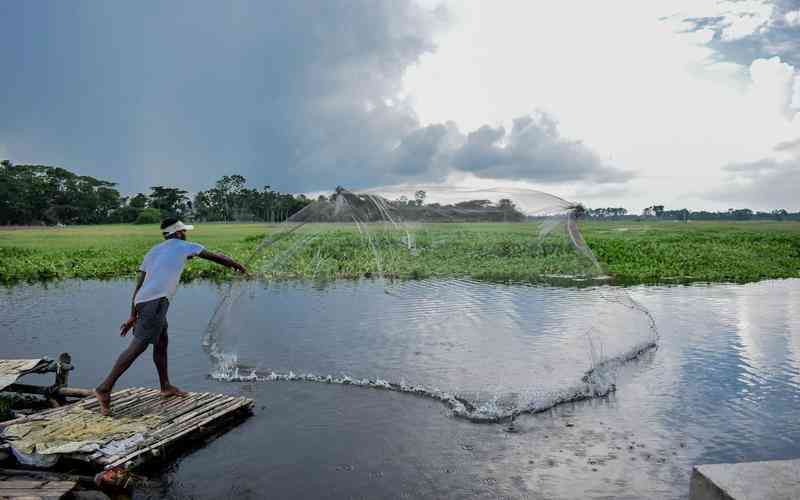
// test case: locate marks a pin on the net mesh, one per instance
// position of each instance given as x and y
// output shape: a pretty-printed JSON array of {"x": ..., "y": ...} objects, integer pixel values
[{"x": 504, "y": 256}]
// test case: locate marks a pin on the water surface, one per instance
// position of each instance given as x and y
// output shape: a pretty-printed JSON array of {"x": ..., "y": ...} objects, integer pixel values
[{"x": 722, "y": 386}]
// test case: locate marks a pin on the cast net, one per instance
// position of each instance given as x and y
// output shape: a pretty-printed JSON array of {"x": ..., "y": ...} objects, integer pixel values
[{"x": 488, "y": 300}]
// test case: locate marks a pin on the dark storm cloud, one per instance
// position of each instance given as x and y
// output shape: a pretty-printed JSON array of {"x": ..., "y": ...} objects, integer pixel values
[
  {"x": 296, "y": 94},
  {"x": 533, "y": 150},
  {"x": 416, "y": 155},
  {"x": 301, "y": 95}
]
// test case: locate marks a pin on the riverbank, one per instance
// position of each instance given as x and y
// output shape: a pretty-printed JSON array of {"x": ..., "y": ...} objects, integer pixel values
[{"x": 632, "y": 251}]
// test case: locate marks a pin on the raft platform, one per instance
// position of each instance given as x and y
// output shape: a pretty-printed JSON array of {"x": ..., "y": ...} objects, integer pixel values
[
  {"x": 143, "y": 427},
  {"x": 11, "y": 487}
]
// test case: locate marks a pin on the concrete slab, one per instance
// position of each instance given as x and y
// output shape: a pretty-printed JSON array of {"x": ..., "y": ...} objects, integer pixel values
[{"x": 773, "y": 480}]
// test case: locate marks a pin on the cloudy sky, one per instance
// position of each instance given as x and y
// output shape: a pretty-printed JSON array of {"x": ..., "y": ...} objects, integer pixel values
[{"x": 688, "y": 103}]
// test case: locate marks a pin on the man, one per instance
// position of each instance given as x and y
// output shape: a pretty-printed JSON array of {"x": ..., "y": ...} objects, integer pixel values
[{"x": 156, "y": 283}]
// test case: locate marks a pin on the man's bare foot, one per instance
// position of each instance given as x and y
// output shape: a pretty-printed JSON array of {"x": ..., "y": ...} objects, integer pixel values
[
  {"x": 171, "y": 391},
  {"x": 104, "y": 398}
]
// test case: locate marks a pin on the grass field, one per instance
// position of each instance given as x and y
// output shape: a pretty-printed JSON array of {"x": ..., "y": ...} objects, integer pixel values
[{"x": 632, "y": 252}]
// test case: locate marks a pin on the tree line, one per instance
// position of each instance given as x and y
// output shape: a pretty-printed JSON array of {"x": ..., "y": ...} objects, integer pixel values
[
  {"x": 684, "y": 214},
  {"x": 42, "y": 194}
]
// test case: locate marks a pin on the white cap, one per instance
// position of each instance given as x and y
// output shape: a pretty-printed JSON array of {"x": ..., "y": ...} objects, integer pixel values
[{"x": 178, "y": 226}]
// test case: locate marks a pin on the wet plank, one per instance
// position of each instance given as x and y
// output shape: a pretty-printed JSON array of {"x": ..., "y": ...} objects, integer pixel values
[
  {"x": 178, "y": 419},
  {"x": 19, "y": 489}
]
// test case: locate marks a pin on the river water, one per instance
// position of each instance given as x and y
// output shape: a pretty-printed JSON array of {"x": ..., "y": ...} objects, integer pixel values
[{"x": 722, "y": 386}]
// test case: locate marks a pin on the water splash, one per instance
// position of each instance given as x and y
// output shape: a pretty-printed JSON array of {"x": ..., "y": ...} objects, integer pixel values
[
  {"x": 599, "y": 381},
  {"x": 394, "y": 233}
]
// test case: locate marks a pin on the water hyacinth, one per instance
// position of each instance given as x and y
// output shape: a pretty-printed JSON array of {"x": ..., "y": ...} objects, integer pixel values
[{"x": 632, "y": 252}]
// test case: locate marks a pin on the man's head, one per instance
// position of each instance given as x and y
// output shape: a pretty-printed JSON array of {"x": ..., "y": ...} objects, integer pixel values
[{"x": 171, "y": 228}]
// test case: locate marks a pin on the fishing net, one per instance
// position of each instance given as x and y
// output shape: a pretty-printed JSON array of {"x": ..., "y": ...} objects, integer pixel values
[{"x": 488, "y": 300}]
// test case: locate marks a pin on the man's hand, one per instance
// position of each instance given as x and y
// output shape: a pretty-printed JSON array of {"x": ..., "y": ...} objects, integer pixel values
[
  {"x": 127, "y": 325},
  {"x": 222, "y": 260}
]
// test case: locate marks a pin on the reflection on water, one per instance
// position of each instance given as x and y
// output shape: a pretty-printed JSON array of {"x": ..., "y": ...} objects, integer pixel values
[
  {"x": 489, "y": 352},
  {"x": 723, "y": 386}
]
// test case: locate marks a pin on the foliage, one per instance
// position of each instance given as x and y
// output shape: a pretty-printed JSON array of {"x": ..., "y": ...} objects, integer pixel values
[
  {"x": 38, "y": 194},
  {"x": 148, "y": 216},
  {"x": 169, "y": 201},
  {"x": 44, "y": 195},
  {"x": 633, "y": 252},
  {"x": 231, "y": 200}
]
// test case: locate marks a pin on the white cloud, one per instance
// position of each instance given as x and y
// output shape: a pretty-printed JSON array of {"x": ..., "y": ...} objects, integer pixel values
[
  {"x": 795, "y": 104},
  {"x": 623, "y": 79},
  {"x": 772, "y": 84},
  {"x": 743, "y": 19},
  {"x": 732, "y": 19},
  {"x": 792, "y": 18}
]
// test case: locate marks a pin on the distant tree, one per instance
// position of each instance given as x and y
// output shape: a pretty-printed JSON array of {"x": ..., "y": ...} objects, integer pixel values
[
  {"x": 170, "y": 201},
  {"x": 509, "y": 210},
  {"x": 230, "y": 199},
  {"x": 124, "y": 214},
  {"x": 474, "y": 204},
  {"x": 139, "y": 201},
  {"x": 149, "y": 216},
  {"x": 34, "y": 194},
  {"x": 780, "y": 213},
  {"x": 419, "y": 197},
  {"x": 505, "y": 204}
]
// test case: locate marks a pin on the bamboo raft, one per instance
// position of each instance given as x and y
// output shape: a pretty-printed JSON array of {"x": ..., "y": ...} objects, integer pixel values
[
  {"x": 11, "y": 487},
  {"x": 180, "y": 419}
]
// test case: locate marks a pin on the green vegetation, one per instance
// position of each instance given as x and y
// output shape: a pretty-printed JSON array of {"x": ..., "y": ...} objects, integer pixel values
[
  {"x": 44, "y": 195},
  {"x": 148, "y": 216},
  {"x": 633, "y": 252}
]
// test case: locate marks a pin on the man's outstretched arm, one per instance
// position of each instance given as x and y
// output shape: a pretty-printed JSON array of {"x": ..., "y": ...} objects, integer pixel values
[{"x": 223, "y": 260}]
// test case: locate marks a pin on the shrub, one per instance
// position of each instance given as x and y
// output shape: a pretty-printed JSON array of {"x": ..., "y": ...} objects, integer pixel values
[{"x": 149, "y": 216}]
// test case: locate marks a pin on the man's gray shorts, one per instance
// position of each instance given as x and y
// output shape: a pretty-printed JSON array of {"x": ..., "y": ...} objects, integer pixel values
[{"x": 151, "y": 320}]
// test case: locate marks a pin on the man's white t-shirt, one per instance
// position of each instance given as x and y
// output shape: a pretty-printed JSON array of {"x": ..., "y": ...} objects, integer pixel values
[{"x": 164, "y": 265}]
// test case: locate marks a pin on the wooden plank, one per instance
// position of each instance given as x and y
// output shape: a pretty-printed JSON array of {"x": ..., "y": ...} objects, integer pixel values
[
  {"x": 72, "y": 392},
  {"x": 117, "y": 398},
  {"x": 44, "y": 475},
  {"x": 181, "y": 408},
  {"x": 124, "y": 460},
  {"x": 24, "y": 493},
  {"x": 92, "y": 403},
  {"x": 130, "y": 404},
  {"x": 34, "y": 494},
  {"x": 18, "y": 484},
  {"x": 35, "y": 489},
  {"x": 200, "y": 410},
  {"x": 188, "y": 413},
  {"x": 180, "y": 417},
  {"x": 59, "y": 485},
  {"x": 164, "y": 434}
]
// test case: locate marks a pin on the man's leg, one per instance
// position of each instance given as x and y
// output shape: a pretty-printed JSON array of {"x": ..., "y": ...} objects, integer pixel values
[
  {"x": 160, "y": 359},
  {"x": 128, "y": 356}
]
